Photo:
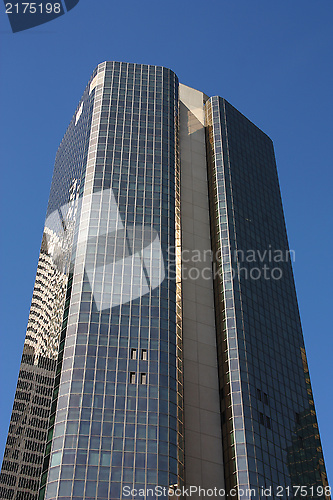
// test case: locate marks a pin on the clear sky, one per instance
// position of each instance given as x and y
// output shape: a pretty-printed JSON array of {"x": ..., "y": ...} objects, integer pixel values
[{"x": 272, "y": 60}]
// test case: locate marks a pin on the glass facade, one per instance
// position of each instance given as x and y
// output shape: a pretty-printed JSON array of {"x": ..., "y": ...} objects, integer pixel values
[
  {"x": 116, "y": 414},
  {"x": 99, "y": 400},
  {"x": 270, "y": 431}
]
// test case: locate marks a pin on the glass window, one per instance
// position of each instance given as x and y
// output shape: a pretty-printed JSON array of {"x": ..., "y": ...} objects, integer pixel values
[
  {"x": 133, "y": 353},
  {"x": 144, "y": 356}
]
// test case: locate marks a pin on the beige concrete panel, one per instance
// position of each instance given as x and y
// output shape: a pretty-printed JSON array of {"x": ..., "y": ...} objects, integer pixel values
[
  {"x": 197, "y": 146},
  {"x": 192, "y": 419},
  {"x": 192, "y": 390},
  {"x": 207, "y": 354},
  {"x": 200, "y": 242},
  {"x": 200, "y": 228},
  {"x": 216, "y": 478},
  {"x": 200, "y": 200},
  {"x": 193, "y": 472},
  {"x": 205, "y": 284},
  {"x": 191, "y": 350},
  {"x": 211, "y": 451},
  {"x": 210, "y": 422},
  {"x": 189, "y": 309},
  {"x": 207, "y": 376},
  {"x": 205, "y": 314},
  {"x": 204, "y": 333},
  {"x": 190, "y": 292},
  {"x": 201, "y": 396},
  {"x": 187, "y": 195},
  {"x": 206, "y": 295},
  {"x": 198, "y": 185},
  {"x": 192, "y": 373},
  {"x": 187, "y": 239},
  {"x": 186, "y": 211},
  {"x": 193, "y": 443},
  {"x": 188, "y": 329},
  {"x": 209, "y": 398},
  {"x": 200, "y": 174}
]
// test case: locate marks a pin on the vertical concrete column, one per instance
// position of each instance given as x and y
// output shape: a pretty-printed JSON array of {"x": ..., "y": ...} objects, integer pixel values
[{"x": 203, "y": 440}]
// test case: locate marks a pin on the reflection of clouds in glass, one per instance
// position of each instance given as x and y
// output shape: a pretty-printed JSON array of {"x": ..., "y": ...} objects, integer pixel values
[
  {"x": 128, "y": 261},
  {"x": 129, "y": 278}
]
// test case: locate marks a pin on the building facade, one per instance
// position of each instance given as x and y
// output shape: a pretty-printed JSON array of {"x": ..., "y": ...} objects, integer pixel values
[{"x": 164, "y": 345}]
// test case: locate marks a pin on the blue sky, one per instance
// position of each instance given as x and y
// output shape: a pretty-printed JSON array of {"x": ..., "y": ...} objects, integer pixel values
[{"x": 271, "y": 60}]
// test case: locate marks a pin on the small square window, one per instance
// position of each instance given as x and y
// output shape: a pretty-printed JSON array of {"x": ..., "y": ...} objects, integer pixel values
[
  {"x": 265, "y": 399},
  {"x": 259, "y": 394},
  {"x": 261, "y": 418},
  {"x": 143, "y": 378},
  {"x": 132, "y": 378},
  {"x": 144, "y": 356},
  {"x": 133, "y": 353}
]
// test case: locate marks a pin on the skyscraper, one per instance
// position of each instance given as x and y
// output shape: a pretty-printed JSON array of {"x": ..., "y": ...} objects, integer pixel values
[{"x": 164, "y": 345}]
